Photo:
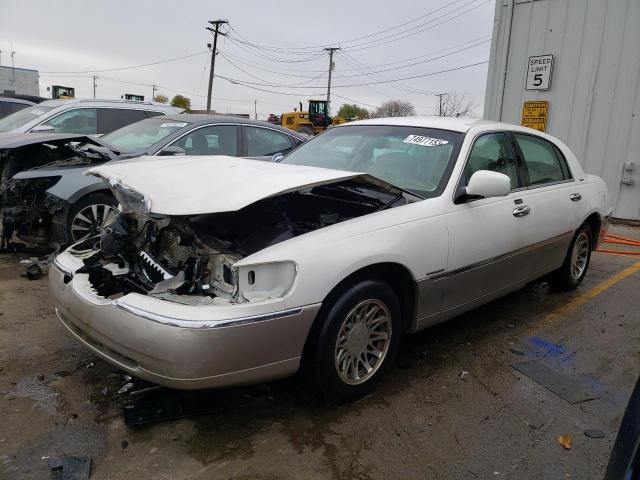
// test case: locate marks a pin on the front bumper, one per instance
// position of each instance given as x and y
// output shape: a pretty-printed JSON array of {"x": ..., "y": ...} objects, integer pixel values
[{"x": 180, "y": 353}]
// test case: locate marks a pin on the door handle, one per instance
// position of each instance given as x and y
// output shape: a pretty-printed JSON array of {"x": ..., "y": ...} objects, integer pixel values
[
  {"x": 575, "y": 197},
  {"x": 521, "y": 211}
]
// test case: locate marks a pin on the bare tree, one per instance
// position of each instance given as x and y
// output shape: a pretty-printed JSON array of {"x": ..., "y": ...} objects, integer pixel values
[
  {"x": 456, "y": 105},
  {"x": 394, "y": 108}
]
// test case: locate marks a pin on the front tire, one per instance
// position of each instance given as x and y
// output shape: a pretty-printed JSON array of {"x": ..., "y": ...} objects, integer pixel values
[
  {"x": 576, "y": 262},
  {"x": 359, "y": 338}
]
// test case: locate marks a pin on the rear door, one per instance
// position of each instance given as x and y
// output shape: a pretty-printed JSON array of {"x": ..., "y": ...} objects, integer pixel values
[
  {"x": 553, "y": 194},
  {"x": 488, "y": 237},
  {"x": 263, "y": 143}
]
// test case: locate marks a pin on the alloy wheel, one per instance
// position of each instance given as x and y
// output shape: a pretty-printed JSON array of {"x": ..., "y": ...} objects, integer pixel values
[
  {"x": 363, "y": 341},
  {"x": 90, "y": 220},
  {"x": 580, "y": 255}
]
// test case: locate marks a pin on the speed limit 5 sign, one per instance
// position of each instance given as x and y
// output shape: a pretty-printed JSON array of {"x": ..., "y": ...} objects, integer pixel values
[{"x": 539, "y": 71}]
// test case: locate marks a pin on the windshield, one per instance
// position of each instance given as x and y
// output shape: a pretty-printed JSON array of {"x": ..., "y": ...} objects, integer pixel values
[
  {"x": 21, "y": 117},
  {"x": 139, "y": 136},
  {"x": 411, "y": 158}
]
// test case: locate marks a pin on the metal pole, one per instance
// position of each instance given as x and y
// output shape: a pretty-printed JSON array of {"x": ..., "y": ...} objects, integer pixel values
[
  {"x": 330, "y": 50},
  {"x": 440, "y": 95},
  {"x": 94, "y": 86},
  {"x": 153, "y": 93},
  {"x": 215, "y": 31},
  {"x": 255, "y": 109}
]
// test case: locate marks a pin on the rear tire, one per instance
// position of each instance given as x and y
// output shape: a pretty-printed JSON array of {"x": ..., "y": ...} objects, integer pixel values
[
  {"x": 358, "y": 340},
  {"x": 88, "y": 215},
  {"x": 576, "y": 262}
]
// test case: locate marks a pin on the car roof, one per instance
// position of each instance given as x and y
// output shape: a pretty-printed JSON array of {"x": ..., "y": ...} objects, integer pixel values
[
  {"x": 15, "y": 100},
  {"x": 456, "y": 124},
  {"x": 202, "y": 118},
  {"x": 96, "y": 101}
]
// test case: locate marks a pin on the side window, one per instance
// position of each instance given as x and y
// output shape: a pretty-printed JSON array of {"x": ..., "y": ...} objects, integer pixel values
[
  {"x": 492, "y": 152},
  {"x": 111, "y": 119},
  {"x": 262, "y": 142},
  {"x": 213, "y": 140},
  {"x": 80, "y": 120},
  {"x": 542, "y": 160}
]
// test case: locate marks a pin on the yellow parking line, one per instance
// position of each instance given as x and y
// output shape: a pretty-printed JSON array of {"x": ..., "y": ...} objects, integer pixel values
[{"x": 583, "y": 298}]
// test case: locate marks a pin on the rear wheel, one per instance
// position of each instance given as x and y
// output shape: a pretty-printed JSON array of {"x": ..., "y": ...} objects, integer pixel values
[
  {"x": 358, "y": 340},
  {"x": 576, "y": 262},
  {"x": 88, "y": 215}
]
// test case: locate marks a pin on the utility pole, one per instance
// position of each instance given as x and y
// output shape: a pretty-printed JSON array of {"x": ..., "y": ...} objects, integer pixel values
[
  {"x": 13, "y": 65},
  {"x": 440, "y": 95},
  {"x": 330, "y": 50},
  {"x": 153, "y": 93},
  {"x": 215, "y": 31},
  {"x": 94, "y": 86},
  {"x": 255, "y": 109}
]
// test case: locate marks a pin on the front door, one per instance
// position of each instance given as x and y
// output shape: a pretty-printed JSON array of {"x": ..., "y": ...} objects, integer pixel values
[{"x": 487, "y": 237}]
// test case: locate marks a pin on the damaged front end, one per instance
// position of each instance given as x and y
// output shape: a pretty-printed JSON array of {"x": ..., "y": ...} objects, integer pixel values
[
  {"x": 191, "y": 259},
  {"x": 29, "y": 170}
]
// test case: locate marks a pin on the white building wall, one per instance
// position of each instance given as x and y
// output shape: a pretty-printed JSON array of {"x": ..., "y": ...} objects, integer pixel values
[
  {"x": 19, "y": 80},
  {"x": 594, "y": 100}
]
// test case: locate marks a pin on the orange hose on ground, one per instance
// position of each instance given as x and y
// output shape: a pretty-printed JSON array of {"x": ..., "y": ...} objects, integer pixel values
[{"x": 615, "y": 239}]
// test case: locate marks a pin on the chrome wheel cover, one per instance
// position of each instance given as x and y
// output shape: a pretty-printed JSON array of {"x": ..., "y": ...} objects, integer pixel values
[
  {"x": 363, "y": 342},
  {"x": 580, "y": 255},
  {"x": 90, "y": 220}
]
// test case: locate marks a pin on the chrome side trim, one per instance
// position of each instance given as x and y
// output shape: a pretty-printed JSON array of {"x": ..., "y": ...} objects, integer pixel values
[
  {"x": 206, "y": 324},
  {"x": 488, "y": 261}
]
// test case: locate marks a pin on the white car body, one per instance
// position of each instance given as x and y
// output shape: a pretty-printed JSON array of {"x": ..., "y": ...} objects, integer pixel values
[{"x": 451, "y": 257}]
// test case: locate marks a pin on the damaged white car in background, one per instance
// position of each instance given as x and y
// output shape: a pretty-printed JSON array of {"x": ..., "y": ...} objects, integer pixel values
[{"x": 236, "y": 271}]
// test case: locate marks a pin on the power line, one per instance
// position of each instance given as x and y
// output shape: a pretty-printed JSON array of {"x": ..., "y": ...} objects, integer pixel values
[{"x": 246, "y": 83}]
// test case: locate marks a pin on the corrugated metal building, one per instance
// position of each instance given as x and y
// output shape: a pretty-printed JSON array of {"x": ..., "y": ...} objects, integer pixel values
[{"x": 594, "y": 92}]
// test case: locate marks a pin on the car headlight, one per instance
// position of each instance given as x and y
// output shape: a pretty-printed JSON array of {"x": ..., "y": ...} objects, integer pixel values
[
  {"x": 130, "y": 199},
  {"x": 265, "y": 281}
]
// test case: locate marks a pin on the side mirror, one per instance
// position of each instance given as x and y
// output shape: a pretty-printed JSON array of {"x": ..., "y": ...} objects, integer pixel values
[
  {"x": 277, "y": 158},
  {"x": 172, "y": 150},
  {"x": 42, "y": 129},
  {"x": 487, "y": 184}
]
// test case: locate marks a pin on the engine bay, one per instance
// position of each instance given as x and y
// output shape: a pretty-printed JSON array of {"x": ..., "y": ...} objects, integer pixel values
[{"x": 190, "y": 259}]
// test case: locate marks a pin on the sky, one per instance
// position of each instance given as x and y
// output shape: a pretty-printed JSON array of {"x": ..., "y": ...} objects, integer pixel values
[{"x": 272, "y": 51}]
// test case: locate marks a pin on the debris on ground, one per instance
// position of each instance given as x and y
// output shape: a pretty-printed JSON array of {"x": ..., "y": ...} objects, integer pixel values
[
  {"x": 565, "y": 441},
  {"x": 126, "y": 387},
  {"x": 463, "y": 374},
  {"x": 70, "y": 468},
  {"x": 37, "y": 266},
  {"x": 592, "y": 433},
  {"x": 516, "y": 352}
]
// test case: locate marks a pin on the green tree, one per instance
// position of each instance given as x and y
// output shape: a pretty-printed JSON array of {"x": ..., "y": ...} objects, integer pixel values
[
  {"x": 349, "y": 112},
  {"x": 161, "y": 98},
  {"x": 181, "y": 101}
]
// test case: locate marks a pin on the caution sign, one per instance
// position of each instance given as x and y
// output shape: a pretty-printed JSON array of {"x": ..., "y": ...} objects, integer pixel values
[{"x": 535, "y": 114}]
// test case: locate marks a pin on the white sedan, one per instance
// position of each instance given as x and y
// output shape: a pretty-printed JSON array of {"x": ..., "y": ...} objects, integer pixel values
[{"x": 235, "y": 271}]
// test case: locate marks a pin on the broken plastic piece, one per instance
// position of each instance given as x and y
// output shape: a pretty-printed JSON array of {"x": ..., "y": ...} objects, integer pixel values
[{"x": 71, "y": 468}]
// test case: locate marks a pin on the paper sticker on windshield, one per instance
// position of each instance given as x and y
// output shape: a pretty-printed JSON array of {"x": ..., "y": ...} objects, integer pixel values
[
  {"x": 173, "y": 124},
  {"x": 425, "y": 141},
  {"x": 37, "y": 111}
]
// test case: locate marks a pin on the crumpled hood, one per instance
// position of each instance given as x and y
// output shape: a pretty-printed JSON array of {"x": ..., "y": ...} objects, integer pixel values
[
  {"x": 16, "y": 140},
  {"x": 212, "y": 184}
]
